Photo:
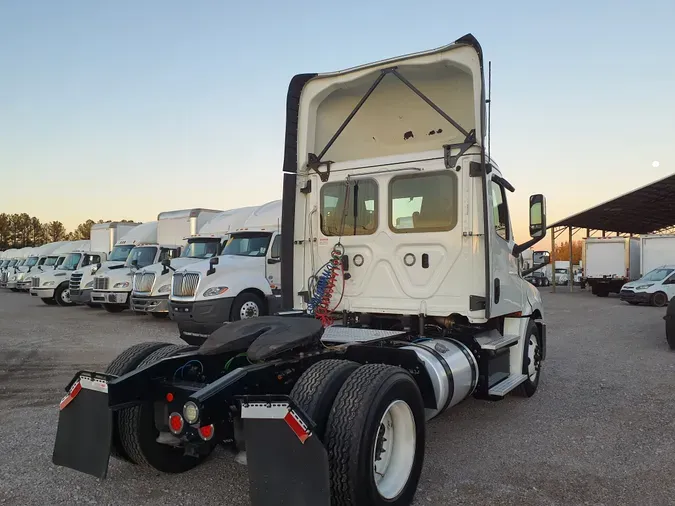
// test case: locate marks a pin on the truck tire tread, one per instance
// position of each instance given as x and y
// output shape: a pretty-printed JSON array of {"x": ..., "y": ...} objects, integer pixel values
[
  {"x": 124, "y": 363},
  {"x": 351, "y": 417},
  {"x": 131, "y": 425},
  {"x": 316, "y": 389}
]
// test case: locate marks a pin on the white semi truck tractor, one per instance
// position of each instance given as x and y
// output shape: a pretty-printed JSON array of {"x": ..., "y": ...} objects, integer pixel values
[
  {"x": 152, "y": 284},
  {"x": 43, "y": 258},
  {"x": 18, "y": 259},
  {"x": 402, "y": 297},
  {"x": 108, "y": 249},
  {"x": 18, "y": 273},
  {"x": 244, "y": 282},
  {"x": 112, "y": 289},
  {"x": 52, "y": 286}
]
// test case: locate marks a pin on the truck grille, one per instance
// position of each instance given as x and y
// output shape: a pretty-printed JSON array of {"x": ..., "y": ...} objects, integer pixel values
[
  {"x": 75, "y": 281},
  {"x": 4, "y": 277},
  {"x": 143, "y": 282},
  {"x": 35, "y": 282},
  {"x": 185, "y": 285},
  {"x": 101, "y": 283}
]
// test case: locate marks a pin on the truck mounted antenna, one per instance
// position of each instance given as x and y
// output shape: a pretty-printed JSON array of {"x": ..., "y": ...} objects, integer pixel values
[{"x": 489, "y": 104}]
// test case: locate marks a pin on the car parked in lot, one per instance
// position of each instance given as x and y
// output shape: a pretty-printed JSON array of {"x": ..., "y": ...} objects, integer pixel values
[
  {"x": 538, "y": 279},
  {"x": 656, "y": 287}
]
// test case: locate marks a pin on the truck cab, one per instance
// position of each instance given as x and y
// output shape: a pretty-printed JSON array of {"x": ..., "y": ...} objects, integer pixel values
[
  {"x": 113, "y": 289},
  {"x": 116, "y": 240},
  {"x": 14, "y": 266},
  {"x": 52, "y": 286},
  {"x": 43, "y": 259},
  {"x": 152, "y": 284},
  {"x": 244, "y": 282}
]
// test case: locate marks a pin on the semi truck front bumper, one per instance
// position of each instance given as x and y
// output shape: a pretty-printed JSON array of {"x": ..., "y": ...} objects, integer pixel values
[
  {"x": 631, "y": 296},
  {"x": 157, "y": 304},
  {"x": 24, "y": 286},
  {"x": 197, "y": 320},
  {"x": 81, "y": 296},
  {"x": 12, "y": 285},
  {"x": 109, "y": 297},
  {"x": 43, "y": 293}
]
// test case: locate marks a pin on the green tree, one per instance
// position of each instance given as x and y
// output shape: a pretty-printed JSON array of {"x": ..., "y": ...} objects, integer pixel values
[{"x": 55, "y": 231}]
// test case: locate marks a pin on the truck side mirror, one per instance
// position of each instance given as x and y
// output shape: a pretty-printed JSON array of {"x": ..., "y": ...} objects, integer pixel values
[
  {"x": 213, "y": 261},
  {"x": 537, "y": 216},
  {"x": 134, "y": 264}
]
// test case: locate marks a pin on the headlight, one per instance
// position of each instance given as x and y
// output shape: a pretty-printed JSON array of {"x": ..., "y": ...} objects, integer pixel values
[
  {"x": 89, "y": 285},
  {"x": 123, "y": 284},
  {"x": 13, "y": 278},
  {"x": 643, "y": 287},
  {"x": 164, "y": 289},
  {"x": 191, "y": 412},
  {"x": 49, "y": 283},
  {"x": 216, "y": 290}
]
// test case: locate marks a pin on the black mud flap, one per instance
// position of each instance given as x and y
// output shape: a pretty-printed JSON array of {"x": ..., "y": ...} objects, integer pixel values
[
  {"x": 84, "y": 433},
  {"x": 287, "y": 463}
]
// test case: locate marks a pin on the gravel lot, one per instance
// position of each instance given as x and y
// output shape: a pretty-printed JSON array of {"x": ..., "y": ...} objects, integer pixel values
[{"x": 600, "y": 430}]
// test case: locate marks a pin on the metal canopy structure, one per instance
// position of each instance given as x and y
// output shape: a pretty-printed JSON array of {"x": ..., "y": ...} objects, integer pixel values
[
  {"x": 646, "y": 210},
  {"x": 649, "y": 209}
]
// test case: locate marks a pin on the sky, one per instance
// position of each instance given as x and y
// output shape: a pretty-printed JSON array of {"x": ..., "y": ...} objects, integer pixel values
[{"x": 122, "y": 110}]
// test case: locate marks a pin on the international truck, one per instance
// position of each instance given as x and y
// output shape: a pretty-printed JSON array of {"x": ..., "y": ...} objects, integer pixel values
[
  {"x": 609, "y": 263},
  {"x": 35, "y": 262},
  {"x": 244, "y": 282},
  {"x": 113, "y": 242},
  {"x": 112, "y": 289},
  {"x": 52, "y": 286},
  {"x": 152, "y": 284},
  {"x": 401, "y": 295}
]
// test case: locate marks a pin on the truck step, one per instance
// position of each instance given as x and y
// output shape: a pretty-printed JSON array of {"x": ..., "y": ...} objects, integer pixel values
[
  {"x": 495, "y": 341},
  {"x": 339, "y": 334},
  {"x": 504, "y": 387}
]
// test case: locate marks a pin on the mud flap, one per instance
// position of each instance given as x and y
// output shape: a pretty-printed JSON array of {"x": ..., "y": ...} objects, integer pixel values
[
  {"x": 287, "y": 463},
  {"x": 84, "y": 433}
]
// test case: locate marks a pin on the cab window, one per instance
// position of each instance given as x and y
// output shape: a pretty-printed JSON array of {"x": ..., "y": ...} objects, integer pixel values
[
  {"x": 423, "y": 202},
  {"x": 276, "y": 247},
  {"x": 500, "y": 211},
  {"x": 349, "y": 207}
]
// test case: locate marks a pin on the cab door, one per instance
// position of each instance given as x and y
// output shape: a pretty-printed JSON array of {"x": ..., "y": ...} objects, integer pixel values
[
  {"x": 507, "y": 287},
  {"x": 273, "y": 265}
]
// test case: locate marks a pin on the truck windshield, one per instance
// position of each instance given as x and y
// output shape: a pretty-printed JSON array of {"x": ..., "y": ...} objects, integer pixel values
[
  {"x": 202, "y": 248},
  {"x": 12, "y": 263},
  {"x": 145, "y": 255},
  {"x": 657, "y": 275},
  {"x": 31, "y": 261},
  {"x": 71, "y": 262},
  {"x": 50, "y": 261},
  {"x": 121, "y": 253},
  {"x": 250, "y": 244},
  {"x": 4, "y": 263},
  {"x": 561, "y": 271}
]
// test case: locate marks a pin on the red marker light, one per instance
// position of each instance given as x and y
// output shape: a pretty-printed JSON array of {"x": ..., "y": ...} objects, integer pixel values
[
  {"x": 206, "y": 432},
  {"x": 169, "y": 397},
  {"x": 176, "y": 423}
]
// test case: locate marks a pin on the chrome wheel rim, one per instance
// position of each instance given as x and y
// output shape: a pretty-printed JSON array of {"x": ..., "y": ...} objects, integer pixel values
[{"x": 249, "y": 310}]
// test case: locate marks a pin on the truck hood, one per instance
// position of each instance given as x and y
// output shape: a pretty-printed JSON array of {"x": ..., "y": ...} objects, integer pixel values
[
  {"x": 56, "y": 277},
  {"x": 226, "y": 263},
  {"x": 115, "y": 276}
]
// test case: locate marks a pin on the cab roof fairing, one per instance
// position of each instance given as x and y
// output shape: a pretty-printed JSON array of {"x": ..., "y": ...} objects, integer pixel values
[{"x": 307, "y": 92}]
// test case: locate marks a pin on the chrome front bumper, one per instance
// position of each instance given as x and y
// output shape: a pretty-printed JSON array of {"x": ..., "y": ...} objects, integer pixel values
[
  {"x": 100, "y": 297},
  {"x": 158, "y": 304}
]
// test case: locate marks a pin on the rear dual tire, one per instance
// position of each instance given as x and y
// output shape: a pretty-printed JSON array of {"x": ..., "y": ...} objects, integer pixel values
[{"x": 374, "y": 430}]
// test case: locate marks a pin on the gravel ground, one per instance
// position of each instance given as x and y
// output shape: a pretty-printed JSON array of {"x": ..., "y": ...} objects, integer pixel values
[{"x": 599, "y": 431}]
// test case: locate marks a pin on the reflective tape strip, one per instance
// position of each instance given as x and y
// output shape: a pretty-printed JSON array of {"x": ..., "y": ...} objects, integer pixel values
[
  {"x": 277, "y": 411},
  {"x": 84, "y": 382}
]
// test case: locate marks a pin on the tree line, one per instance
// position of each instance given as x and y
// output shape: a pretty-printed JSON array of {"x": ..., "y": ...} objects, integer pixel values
[{"x": 22, "y": 231}]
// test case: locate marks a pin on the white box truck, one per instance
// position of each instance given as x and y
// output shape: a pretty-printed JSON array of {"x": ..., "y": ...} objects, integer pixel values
[
  {"x": 113, "y": 288},
  {"x": 52, "y": 285},
  {"x": 152, "y": 284},
  {"x": 655, "y": 251},
  {"x": 37, "y": 261},
  {"x": 109, "y": 248},
  {"x": 19, "y": 259},
  {"x": 610, "y": 262},
  {"x": 245, "y": 282}
]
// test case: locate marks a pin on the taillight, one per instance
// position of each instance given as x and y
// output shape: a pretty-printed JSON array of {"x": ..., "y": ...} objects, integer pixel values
[
  {"x": 176, "y": 423},
  {"x": 206, "y": 432}
]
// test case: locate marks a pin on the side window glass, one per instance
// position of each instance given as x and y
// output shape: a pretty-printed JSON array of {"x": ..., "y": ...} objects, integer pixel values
[
  {"x": 167, "y": 253},
  {"x": 500, "y": 211},
  {"x": 276, "y": 248},
  {"x": 349, "y": 208}
]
